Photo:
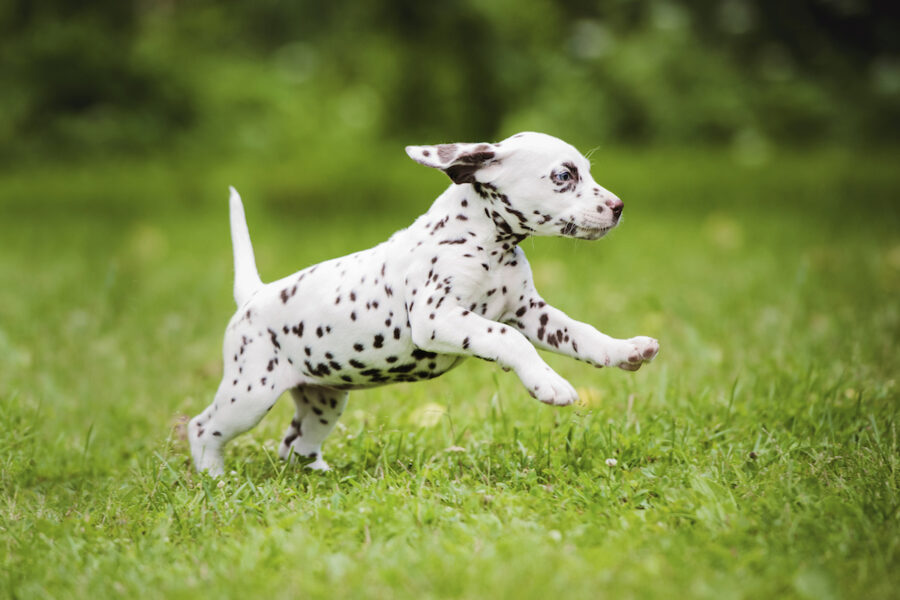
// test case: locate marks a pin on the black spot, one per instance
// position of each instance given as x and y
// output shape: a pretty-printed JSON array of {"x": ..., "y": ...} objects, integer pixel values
[
  {"x": 355, "y": 363},
  {"x": 379, "y": 341},
  {"x": 319, "y": 331},
  {"x": 521, "y": 311},
  {"x": 358, "y": 347},
  {"x": 274, "y": 337},
  {"x": 396, "y": 333},
  {"x": 465, "y": 343}
]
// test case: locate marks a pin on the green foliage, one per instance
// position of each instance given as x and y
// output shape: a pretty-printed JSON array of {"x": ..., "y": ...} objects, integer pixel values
[
  {"x": 115, "y": 77},
  {"x": 757, "y": 456}
]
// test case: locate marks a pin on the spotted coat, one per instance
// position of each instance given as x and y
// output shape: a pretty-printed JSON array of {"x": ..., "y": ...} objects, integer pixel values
[{"x": 452, "y": 285}]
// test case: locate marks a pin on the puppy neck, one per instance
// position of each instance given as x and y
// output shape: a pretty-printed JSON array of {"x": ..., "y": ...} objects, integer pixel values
[{"x": 479, "y": 211}]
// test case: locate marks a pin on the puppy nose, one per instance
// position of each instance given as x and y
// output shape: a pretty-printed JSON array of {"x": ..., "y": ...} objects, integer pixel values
[{"x": 616, "y": 206}]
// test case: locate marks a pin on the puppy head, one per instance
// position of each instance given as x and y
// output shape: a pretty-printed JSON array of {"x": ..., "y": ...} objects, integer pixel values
[{"x": 536, "y": 183}]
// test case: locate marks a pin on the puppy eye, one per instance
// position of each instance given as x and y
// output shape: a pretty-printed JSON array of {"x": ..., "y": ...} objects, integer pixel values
[{"x": 561, "y": 176}]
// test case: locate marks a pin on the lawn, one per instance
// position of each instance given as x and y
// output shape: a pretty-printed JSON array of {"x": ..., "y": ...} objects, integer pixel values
[{"x": 756, "y": 457}]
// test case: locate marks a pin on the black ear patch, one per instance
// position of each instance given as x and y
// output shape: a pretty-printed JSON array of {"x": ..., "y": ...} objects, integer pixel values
[{"x": 464, "y": 167}]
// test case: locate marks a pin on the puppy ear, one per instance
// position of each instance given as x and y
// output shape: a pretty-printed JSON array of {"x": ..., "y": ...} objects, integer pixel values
[{"x": 459, "y": 161}]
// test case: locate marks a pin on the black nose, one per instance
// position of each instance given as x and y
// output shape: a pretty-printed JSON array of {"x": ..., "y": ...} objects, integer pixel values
[{"x": 616, "y": 206}]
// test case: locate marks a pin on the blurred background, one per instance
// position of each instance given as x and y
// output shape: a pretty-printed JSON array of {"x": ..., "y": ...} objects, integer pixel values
[
  {"x": 271, "y": 77},
  {"x": 754, "y": 143}
]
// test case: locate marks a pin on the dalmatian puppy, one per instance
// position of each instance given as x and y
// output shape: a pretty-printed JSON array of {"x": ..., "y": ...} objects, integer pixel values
[{"x": 454, "y": 284}]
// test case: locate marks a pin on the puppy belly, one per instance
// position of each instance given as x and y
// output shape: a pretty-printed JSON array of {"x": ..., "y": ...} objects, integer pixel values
[{"x": 375, "y": 370}]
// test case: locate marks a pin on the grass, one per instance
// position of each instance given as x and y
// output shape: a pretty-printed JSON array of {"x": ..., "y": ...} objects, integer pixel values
[{"x": 757, "y": 456}]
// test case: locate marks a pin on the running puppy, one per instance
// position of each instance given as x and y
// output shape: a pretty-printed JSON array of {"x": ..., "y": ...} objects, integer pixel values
[{"x": 453, "y": 284}]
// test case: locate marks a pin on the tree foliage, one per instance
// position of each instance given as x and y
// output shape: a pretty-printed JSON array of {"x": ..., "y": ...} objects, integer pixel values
[{"x": 113, "y": 75}]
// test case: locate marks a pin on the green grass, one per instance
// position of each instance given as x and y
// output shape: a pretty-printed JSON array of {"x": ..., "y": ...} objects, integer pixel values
[{"x": 757, "y": 456}]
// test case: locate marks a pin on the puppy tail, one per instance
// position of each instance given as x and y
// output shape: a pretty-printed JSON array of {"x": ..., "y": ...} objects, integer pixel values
[{"x": 246, "y": 277}]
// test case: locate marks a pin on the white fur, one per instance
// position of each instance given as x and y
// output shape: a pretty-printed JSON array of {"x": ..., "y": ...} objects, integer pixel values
[{"x": 453, "y": 284}]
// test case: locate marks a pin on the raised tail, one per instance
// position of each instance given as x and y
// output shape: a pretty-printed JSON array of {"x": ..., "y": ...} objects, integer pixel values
[{"x": 246, "y": 277}]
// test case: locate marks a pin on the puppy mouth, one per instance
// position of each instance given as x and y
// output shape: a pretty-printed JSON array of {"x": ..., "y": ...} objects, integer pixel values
[
  {"x": 586, "y": 229},
  {"x": 591, "y": 230},
  {"x": 593, "y": 233}
]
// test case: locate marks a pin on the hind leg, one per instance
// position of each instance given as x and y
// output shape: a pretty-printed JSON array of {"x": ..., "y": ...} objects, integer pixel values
[
  {"x": 251, "y": 384},
  {"x": 295, "y": 429},
  {"x": 318, "y": 410},
  {"x": 232, "y": 413}
]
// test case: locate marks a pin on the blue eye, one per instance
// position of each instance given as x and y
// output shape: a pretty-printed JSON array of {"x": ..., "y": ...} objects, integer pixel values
[{"x": 561, "y": 175}]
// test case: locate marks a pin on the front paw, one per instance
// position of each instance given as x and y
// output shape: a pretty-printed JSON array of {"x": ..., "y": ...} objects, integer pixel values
[
  {"x": 548, "y": 387},
  {"x": 635, "y": 352}
]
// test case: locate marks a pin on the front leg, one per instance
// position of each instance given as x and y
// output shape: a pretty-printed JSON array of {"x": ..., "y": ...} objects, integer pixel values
[
  {"x": 551, "y": 329},
  {"x": 455, "y": 330}
]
